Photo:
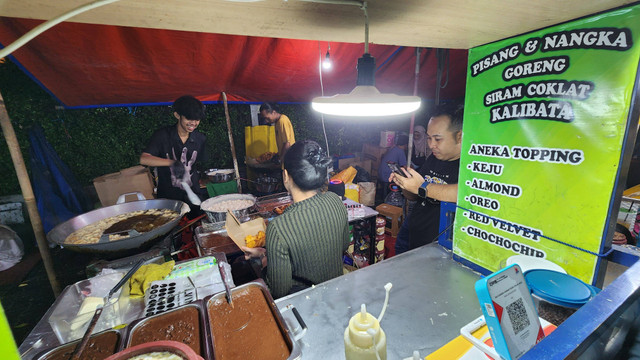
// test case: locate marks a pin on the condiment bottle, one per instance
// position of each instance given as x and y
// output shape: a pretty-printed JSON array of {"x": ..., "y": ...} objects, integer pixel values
[{"x": 364, "y": 339}]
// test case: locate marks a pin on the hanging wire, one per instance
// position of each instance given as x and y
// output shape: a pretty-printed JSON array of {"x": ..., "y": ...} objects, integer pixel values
[
  {"x": 445, "y": 62},
  {"x": 442, "y": 56},
  {"x": 49, "y": 24},
  {"x": 324, "y": 130}
]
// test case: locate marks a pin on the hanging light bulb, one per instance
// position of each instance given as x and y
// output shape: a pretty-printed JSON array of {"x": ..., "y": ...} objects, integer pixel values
[
  {"x": 326, "y": 63},
  {"x": 365, "y": 99}
]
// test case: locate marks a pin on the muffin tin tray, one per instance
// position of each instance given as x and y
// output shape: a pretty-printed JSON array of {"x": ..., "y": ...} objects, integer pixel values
[{"x": 164, "y": 295}]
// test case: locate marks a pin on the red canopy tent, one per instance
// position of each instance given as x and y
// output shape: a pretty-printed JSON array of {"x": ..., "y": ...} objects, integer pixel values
[{"x": 85, "y": 65}]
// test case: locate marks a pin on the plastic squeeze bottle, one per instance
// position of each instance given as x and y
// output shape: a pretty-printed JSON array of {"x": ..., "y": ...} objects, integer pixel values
[{"x": 364, "y": 339}]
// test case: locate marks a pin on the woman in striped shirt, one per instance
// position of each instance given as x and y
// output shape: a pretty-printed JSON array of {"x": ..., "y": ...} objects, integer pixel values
[{"x": 305, "y": 244}]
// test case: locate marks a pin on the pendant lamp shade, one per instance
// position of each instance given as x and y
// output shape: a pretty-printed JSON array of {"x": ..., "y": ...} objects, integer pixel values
[{"x": 365, "y": 99}]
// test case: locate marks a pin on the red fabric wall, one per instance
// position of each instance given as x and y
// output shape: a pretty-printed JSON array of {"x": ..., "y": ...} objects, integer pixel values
[{"x": 85, "y": 65}]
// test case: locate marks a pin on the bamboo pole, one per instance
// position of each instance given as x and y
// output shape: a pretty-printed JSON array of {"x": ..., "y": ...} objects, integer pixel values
[
  {"x": 27, "y": 193},
  {"x": 233, "y": 147}
]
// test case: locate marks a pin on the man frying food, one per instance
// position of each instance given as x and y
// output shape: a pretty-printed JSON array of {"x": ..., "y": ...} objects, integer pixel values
[{"x": 176, "y": 149}]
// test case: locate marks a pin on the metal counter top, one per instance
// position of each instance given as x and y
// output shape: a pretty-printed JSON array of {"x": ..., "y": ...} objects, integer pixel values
[{"x": 431, "y": 299}]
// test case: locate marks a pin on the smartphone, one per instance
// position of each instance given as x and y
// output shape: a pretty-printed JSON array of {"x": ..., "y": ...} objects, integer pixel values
[
  {"x": 509, "y": 311},
  {"x": 396, "y": 169}
]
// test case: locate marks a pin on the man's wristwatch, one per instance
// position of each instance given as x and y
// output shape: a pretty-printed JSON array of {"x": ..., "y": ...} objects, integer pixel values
[{"x": 422, "y": 190}]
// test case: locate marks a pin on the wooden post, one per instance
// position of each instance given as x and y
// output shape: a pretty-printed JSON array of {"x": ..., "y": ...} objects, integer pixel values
[
  {"x": 233, "y": 147},
  {"x": 27, "y": 193}
]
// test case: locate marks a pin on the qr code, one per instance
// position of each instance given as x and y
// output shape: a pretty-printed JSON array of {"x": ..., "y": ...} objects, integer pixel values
[{"x": 518, "y": 316}]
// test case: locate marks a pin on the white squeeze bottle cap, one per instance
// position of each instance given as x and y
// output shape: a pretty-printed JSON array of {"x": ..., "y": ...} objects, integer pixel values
[
  {"x": 364, "y": 339},
  {"x": 359, "y": 326}
]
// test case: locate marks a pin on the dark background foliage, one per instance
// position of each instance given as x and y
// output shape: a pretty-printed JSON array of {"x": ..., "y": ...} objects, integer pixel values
[{"x": 103, "y": 140}]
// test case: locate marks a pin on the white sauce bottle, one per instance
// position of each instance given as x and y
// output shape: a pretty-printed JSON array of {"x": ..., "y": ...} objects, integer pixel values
[{"x": 364, "y": 339}]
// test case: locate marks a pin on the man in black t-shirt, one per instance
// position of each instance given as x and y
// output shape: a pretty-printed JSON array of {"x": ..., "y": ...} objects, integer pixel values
[
  {"x": 437, "y": 178},
  {"x": 176, "y": 149}
]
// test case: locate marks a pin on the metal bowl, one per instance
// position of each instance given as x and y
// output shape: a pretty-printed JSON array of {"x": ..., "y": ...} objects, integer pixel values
[
  {"x": 59, "y": 234},
  {"x": 220, "y": 175},
  {"x": 218, "y": 216},
  {"x": 267, "y": 184}
]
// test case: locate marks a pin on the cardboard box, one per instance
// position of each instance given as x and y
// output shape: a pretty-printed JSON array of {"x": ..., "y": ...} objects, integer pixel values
[
  {"x": 387, "y": 138},
  {"x": 373, "y": 152},
  {"x": 343, "y": 162},
  {"x": 137, "y": 178},
  {"x": 238, "y": 231}
]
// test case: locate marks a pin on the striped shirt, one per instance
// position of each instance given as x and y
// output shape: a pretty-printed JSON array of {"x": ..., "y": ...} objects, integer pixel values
[{"x": 307, "y": 241}]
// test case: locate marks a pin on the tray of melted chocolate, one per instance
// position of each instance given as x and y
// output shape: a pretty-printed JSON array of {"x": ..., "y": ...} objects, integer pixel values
[
  {"x": 252, "y": 328},
  {"x": 184, "y": 324},
  {"x": 100, "y": 346}
]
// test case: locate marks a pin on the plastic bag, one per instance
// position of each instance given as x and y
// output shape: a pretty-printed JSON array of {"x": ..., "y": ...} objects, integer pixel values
[
  {"x": 361, "y": 176},
  {"x": 351, "y": 191},
  {"x": 11, "y": 248},
  {"x": 346, "y": 175},
  {"x": 367, "y": 193}
]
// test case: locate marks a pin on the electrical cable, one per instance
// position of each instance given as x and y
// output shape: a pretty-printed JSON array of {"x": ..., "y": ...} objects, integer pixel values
[
  {"x": 49, "y": 24},
  {"x": 324, "y": 130},
  {"x": 445, "y": 61},
  {"x": 442, "y": 56}
]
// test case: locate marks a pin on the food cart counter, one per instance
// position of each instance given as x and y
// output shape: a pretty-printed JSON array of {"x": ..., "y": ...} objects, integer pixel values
[{"x": 431, "y": 299}]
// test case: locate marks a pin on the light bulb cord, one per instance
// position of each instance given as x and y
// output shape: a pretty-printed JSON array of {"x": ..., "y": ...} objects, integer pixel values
[{"x": 324, "y": 130}]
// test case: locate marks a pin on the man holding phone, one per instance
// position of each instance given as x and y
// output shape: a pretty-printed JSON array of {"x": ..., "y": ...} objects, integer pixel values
[
  {"x": 394, "y": 158},
  {"x": 435, "y": 181}
]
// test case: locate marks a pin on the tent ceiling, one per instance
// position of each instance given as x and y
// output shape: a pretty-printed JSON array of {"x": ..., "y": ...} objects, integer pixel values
[
  {"x": 150, "y": 51},
  {"x": 94, "y": 65},
  {"x": 454, "y": 24}
]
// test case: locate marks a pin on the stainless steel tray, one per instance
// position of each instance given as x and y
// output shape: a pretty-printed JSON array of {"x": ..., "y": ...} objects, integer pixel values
[
  {"x": 205, "y": 346},
  {"x": 49, "y": 353},
  {"x": 294, "y": 348}
]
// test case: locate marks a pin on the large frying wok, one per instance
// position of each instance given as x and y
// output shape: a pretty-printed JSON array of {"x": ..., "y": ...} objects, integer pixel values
[{"x": 59, "y": 233}]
